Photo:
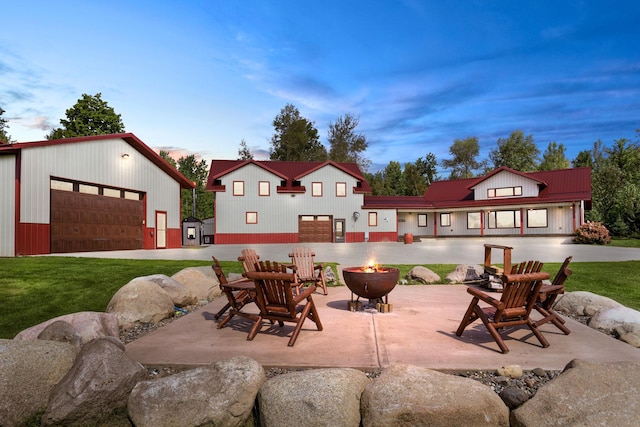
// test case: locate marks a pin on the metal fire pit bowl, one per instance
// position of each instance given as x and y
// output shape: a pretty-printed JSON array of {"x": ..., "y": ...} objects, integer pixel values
[{"x": 372, "y": 284}]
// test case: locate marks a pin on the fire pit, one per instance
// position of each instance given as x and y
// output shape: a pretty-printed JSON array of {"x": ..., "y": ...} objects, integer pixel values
[{"x": 371, "y": 282}]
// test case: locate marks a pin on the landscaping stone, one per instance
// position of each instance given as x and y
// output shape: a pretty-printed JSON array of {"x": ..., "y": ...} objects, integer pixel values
[
  {"x": 611, "y": 318},
  {"x": 422, "y": 275},
  {"x": 465, "y": 273},
  {"x": 140, "y": 301},
  {"x": 583, "y": 303},
  {"x": 200, "y": 281},
  {"x": 87, "y": 324},
  {"x": 63, "y": 332},
  {"x": 179, "y": 293}
]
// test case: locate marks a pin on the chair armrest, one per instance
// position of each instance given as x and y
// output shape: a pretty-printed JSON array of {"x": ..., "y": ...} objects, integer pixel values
[
  {"x": 304, "y": 294},
  {"x": 552, "y": 289},
  {"x": 319, "y": 266},
  {"x": 526, "y": 277},
  {"x": 484, "y": 297}
]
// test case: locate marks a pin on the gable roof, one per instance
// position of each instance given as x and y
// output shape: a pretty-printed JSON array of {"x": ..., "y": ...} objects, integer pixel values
[
  {"x": 562, "y": 185},
  {"x": 129, "y": 138},
  {"x": 287, "y": 171}
]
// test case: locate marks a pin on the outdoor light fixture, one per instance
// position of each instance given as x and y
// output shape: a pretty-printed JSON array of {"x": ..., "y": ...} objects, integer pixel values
[
  {"x": 125, "y": 156},
  {"x": 356, "y": 215}
]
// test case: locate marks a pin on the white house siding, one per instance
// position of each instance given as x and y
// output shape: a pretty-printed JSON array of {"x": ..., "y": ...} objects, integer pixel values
[
  {"x": 7, "y": 205},
  {"x": 506, "y": 179},
  {"x": 278, "y": 213},
  {"x": 408, "y": 223},
  {"x": 69, "y": 161}
]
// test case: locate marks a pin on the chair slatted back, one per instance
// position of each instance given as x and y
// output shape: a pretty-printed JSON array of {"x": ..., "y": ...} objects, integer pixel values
[
  {"x": 275, "y": 292},
  {"x": 303, "y": 259},
  {"x": 519, "y": 296},
  {"x": 249, "y": 260}
]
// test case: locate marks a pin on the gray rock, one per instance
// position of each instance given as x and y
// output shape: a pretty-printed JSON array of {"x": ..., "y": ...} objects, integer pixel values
[
  {"x": 98, "y": 384},
  {"x": 465, "y": 273},
  {"x": 179, "y": 293},
  {"x": 221, "y": 394},
  {"x": 510, "y": 371},
  {"x": 586, "y": 393},
  {"x": 201, "y": 282},
  {"x": 317, "y": 397},
  {"x": 87, "y": 324},
  {"x": 28, "y": 372},
  {"x": 61, "y": 331},
  {"x": 422, "y": 275},
  {"x": 584, "y": 303},
  {"x": 513, "y": 396},
  {"x": 414, "y": 396},
  {"x": 612, "y": 318},
  {"x": 140, "y": 301},
  {"x": 329, "y": 275}
]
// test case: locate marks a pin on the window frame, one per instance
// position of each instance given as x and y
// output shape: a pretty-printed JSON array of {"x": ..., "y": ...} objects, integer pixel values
[
  {"x": 493, "y": 219},
  {"x": 424, "y": 223},
  {"x": 315, "y": 186},
  {"x": 261, "y": 185},
  {"x": 479, "y": 220},
  {"x": 341, "y": 189},
  {"x": 446, "y": 215},
  {"x": 515, "y": 191},
  {"x": 251, "y": 217},
  {"x": 546, "y": 218},
  {"x": 238, "y": 188},
  {"x": 373, "y": 219}
]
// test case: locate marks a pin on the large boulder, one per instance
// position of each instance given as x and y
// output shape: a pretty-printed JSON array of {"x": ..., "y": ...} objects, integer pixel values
[
  {"x": 28, "y": 372},
  {"x": 140, "y": 301},
  {"x": 98, "y": 383},
  {"x": 465, "y": 273},
  {"x": 201, "y": 282},
  {"x": 180, "y": 294},
  {"x": 410, "y": 395},
  {"x": 586, "y": 393},
  {"x": 319, "y": 397},
  {"x": 613, "y": 318},
  {"x": 422, "y": 275},
  {"x": 87, "y": 324},
  {"x": 583, "y": 303},
  {"x": 63, "y": 332},
  {"x": 221, "y": 394}
]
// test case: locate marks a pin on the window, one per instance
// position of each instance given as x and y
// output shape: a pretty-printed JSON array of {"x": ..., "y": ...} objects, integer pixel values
[
  {"x": 263, "y": 188},
  {"x": 316, "y": 189},
  {"x": 89, "y": 189},
  {"x": 473, "y": 220},
  {"x": 61, "y": 185},
  {"x": 537, "y": 218},
  {"x": 252, "y": 217},
  {"x": 373, "y": 219},
  {"x": 422, "y": 220},
  {"x": 504, "y": 192},
  {"x": 238, "y": 188},
  {"x": 111, "y": 192},
  {"x": 445, "y": 220},
  {"x": 341, "y": 189},
  {"x": 504, "y": 219}
]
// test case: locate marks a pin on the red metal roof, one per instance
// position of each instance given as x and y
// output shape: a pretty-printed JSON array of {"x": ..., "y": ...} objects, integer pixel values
[
  {"x": 288, "y": 171},
  {"x": 130, "y": 138}
]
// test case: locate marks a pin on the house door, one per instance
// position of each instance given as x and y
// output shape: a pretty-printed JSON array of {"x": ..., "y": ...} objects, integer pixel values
[
  {"x": 338, "y": 230},
  {"x": 161, "y": 230}
]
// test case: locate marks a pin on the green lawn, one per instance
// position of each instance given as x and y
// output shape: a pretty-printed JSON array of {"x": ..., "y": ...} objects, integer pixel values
[{"x": 35, "y": 289}]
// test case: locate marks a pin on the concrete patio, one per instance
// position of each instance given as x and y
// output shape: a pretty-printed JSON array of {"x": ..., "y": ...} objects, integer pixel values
[{"x": 419, "y": 331}]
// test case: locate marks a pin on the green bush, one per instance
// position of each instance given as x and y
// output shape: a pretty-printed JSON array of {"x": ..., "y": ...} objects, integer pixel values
[{"x": 592, "y": 233}]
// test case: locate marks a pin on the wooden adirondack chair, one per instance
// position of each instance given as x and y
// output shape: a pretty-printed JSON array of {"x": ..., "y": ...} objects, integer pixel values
[
  {"x": 519, "y": 295},
  {"x": 238, "y": 292},
  {"x": 306, "y": 269},
  {"x": 249, "y": 260},
  {"x": 276, "y": 267},
  {"x": 276, "y": 301},
  {"x": 548, "y": 295}
]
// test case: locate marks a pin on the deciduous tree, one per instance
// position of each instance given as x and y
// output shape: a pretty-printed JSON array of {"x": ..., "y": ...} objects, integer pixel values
[
  {"x": 554, "y": 158},
  {"x": 464, "y": 162},
  {"x": 517, "y": 152},
  {"x": 345, "y": 145},
  {"x": 295, "y": 138},
  {"x": 89, "y": 116}
]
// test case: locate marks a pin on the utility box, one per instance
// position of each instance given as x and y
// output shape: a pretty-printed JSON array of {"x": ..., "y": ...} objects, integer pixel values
[{"x": 191, "y": 231}]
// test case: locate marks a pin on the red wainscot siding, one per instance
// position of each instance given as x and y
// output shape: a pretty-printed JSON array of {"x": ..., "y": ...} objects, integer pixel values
[
  {"x": 387, "y": 236},
  {"x": 174, "y": 238},
  {"x": 148, "y": 238},
  {"x": 33, "y": 239},
  {"x": 354, "y": 237},
  {"x": 243, "y": 239}
]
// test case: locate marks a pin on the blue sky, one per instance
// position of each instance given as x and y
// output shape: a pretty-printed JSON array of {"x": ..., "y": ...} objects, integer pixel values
[{"x": 200, "y": 76}]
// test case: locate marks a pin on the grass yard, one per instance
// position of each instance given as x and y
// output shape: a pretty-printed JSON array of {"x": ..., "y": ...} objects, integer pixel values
[{"x": 35, "y": 289}]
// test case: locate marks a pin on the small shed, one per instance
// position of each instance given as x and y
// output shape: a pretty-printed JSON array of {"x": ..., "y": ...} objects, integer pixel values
[
  {"x": 208, "y": 231},
  {"x": 191, "y": 231}
]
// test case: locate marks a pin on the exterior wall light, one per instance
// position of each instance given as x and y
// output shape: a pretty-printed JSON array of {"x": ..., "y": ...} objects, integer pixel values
[
  {"x": 125, "y": 156},
  {"x": 356, "y": 215}
]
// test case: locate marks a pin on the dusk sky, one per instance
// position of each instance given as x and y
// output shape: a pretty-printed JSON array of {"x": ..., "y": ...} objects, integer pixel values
[{"x": 200, "y": 76}]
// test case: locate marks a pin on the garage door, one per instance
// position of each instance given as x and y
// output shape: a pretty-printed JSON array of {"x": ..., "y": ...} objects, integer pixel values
[
  {"x": 90, "y": 222},
  {"x": 315, "y": 228}
]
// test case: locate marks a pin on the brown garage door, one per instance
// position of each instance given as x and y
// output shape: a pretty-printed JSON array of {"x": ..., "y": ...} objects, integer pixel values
[
  {"x": 314, "y": 228},
  {"x": 88, "y": 222}
]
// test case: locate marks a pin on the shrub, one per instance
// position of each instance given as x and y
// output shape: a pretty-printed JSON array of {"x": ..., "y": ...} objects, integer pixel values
[{"x": 592, "y": 233}]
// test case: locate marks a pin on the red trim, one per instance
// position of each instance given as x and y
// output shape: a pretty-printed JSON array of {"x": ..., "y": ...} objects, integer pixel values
[
  {"x": 174, "y": 238},
  {"x": 33, "y": 239},
  {"x": 522, "y": 221},
  {"x": 354, "y": 237},
  {"x": 383, "y": 236},
  {"x": 148, "y": 238},
  {"x": 16, "y": 208},
  {"x": 166, "y": 231}
]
